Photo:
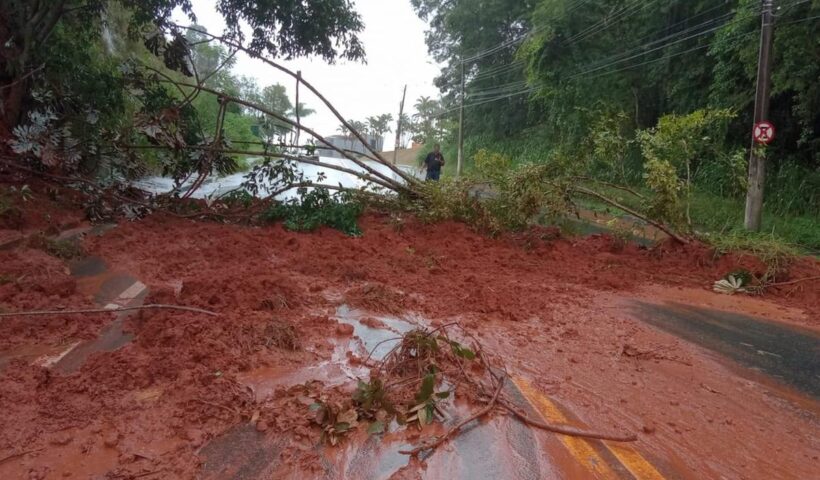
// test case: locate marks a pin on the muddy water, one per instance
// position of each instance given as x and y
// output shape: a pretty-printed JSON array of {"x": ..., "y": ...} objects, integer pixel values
[{"x": 338, "y": 370}]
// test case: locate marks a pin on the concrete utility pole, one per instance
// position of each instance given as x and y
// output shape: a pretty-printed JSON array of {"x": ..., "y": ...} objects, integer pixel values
[
  {"x": 460, "y": 163},
  {"x": 298, "y": 113},
  {"x": 398, "y": 128},
  {"x": 757, "y": 161}
]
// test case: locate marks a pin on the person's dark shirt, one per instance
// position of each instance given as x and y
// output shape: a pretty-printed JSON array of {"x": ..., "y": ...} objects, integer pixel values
[{"x": 434, "y": 161}]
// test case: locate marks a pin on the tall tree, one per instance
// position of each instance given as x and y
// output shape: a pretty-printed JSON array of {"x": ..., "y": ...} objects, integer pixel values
[
  {"x": 427, "y": 119},
  {"x": 275, "y": 98},
  {"x": 380, "y": 124},
  {"x": 485, "y": 35}
]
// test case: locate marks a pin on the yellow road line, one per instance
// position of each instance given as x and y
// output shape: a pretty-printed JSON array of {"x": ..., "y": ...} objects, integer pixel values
[
  {"x": 582, "y": 449},
  {"x": 578, "y": 447},
  {"x": 634, "y": 462}
]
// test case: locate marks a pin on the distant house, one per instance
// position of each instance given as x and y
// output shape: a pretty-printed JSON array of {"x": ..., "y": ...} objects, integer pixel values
[{"x": 344, "y": 142}]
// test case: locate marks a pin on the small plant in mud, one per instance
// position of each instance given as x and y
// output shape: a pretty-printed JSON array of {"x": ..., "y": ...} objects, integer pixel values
[
  {"x": 426, "y": 409},
  {"x": 316, "y": 208},
  {"x": 281, "y": 335},
  {"x": 775, "y": 254},
  {"x": 621, "y": 234},
  {"x": 373, "y": 404},
  {"x": 67, "y": 249},
  {"x": 335, "y": 419}
]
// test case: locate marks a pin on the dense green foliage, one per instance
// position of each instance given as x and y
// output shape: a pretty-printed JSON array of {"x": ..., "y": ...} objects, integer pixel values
[
  {"x": 658, "y": 95},
  {"x": 316, "y": 208}
]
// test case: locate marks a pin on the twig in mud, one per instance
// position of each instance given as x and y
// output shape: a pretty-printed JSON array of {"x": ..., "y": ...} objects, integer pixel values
[
  {"x": 145, "y": 474},
  {"x": 565, "y": 430},
  {"x": 370, "y": 355},
  {"x": 18, "y": 454},
  {"x": 153, "y": 306},
  {"x": 439, "y": 440},
  {"x": 790, "y": 282},
  {"x": 216, "y": 405}
]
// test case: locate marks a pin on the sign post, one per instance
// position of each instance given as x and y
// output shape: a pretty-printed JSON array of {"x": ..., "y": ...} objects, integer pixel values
[{"x": 757, "y": 162}]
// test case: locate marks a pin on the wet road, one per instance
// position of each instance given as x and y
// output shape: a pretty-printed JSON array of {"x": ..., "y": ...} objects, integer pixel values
[{"x": 787, "y": 354}]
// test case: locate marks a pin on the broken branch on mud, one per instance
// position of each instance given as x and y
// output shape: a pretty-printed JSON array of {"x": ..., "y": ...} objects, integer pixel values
[{"x": 153, "y": 306}]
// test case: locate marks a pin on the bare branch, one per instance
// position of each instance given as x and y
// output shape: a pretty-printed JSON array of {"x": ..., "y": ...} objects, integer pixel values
[
  {"x": 397, "y": 186},
  {"x": 659, "y": 225},
  {"x": 307, "y": 160},
  {"x": 612, "y": 185},
  {"x": 153, "y": 306},
  {"x": 409, "y": 179}
]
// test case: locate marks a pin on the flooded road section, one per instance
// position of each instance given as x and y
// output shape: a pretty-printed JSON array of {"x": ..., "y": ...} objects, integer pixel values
[{"x": 788, "y": 354}]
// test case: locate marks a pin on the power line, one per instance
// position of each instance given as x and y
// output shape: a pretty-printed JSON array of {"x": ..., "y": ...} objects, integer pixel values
[
  {"x": 601, "y": 25},
  {"x": 666, "y": 45},
  {"x": 666, "y": 57},
  {"x": 734, "y": 38},
  {"x": 520, "y": 38}
]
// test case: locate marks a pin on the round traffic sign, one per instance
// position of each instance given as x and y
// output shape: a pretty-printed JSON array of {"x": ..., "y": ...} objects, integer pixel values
[{"x": 764, "y": 133}]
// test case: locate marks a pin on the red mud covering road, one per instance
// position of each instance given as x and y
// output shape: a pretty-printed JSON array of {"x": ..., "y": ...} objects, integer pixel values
[{"x": 554, "y": 309}]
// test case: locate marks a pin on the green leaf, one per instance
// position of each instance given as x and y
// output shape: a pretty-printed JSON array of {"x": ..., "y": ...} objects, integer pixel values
[
  {"x": 314, "y": 406},
  {"x": 466, "y": 353},
  {"x": 341, "y": 427},
  {"x": 424, "y": 417},
  {"x": 427, "y": 385},
  {"x": 443, "y": 394},
  {"x": 376, "y": 428}
]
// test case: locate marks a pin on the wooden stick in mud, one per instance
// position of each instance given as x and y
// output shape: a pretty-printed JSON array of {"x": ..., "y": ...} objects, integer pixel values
[
  {"x": 153, "y": 306},
  {"x": 565, "y": 430}
]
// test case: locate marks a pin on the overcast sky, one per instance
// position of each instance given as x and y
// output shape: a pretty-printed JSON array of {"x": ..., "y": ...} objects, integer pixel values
[{"x": 396, "y": 55}]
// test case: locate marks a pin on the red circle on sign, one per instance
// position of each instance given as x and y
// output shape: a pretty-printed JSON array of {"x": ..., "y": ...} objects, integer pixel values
[{"x": 764, "y": 133}]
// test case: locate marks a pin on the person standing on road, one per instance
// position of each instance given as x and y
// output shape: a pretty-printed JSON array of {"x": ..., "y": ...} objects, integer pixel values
[{"x": 433, "y": 162}]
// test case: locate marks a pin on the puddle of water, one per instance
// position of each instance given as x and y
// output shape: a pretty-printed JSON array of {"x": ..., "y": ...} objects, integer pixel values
[
  {"x": 29, "y": 353},
  {"x": 88, "y": 267},
  {"x": 375, "y": 340},
  {"x": 338, "y": 369}
]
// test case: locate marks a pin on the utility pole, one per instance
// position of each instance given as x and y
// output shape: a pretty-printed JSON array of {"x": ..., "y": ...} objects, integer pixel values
[
  {"x": 398, "y": 128},
  {"x": 298, "y": 119},
  {"x": 757, "y": 161},
  {"x": 460, "y": 163}
]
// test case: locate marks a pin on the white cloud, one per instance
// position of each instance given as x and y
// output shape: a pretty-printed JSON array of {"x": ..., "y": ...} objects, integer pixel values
[{"x": 396, "y": 55}]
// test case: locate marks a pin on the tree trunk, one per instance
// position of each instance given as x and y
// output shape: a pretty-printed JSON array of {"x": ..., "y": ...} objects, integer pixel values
[{"x": 13, "y": 94}]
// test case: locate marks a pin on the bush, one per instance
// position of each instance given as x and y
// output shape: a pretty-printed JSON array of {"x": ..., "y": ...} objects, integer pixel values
[
  {"x": 674, "y": 150},
  {"x": 514, "y": 197}
]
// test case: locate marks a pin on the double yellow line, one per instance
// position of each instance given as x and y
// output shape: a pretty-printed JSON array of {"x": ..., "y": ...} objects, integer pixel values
[{"x": 581, "y": 448}]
